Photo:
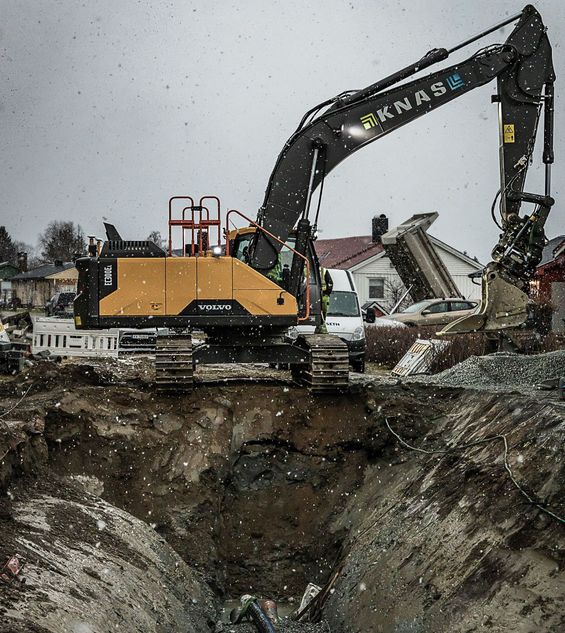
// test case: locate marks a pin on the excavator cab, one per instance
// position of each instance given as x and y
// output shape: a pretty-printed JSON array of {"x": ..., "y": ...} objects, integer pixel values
[{"x": 241, "y": 242}]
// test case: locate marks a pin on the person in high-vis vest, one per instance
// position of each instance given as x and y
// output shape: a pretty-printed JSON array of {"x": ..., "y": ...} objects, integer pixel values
[
  {"x": 326, "y": 291},
  {"x": 275, "y": 274}
]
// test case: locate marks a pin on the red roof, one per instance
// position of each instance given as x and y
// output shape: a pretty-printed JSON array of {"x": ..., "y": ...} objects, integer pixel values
[
  {"x": 553, "y": 258},
  {"x": 345, "y": 252}
]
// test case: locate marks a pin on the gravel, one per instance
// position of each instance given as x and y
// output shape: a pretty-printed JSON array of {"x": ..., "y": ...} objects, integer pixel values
[{"x": 503, "y": 370}]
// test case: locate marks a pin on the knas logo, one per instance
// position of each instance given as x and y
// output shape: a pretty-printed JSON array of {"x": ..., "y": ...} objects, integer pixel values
[
  {"x": 437, "y": 89},
  {"x": 214, "y": 307}
]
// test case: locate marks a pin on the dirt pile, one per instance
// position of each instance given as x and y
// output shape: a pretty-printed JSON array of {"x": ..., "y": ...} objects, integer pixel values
[
  {"x": 503, "y": 371},
  {"x": 91, "y": 567}
]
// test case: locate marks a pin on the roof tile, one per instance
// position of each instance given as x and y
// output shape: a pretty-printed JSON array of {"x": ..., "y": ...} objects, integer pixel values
[{"x": 345, "y": 252}]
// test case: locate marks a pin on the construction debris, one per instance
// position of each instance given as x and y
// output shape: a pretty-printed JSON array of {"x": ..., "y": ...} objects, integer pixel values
[
  {"x": 251, "y": 609},
  {"x": 419, "y": 358},
  {"x": 11, "y": 570},
  {"x": 310, "y": 593}
]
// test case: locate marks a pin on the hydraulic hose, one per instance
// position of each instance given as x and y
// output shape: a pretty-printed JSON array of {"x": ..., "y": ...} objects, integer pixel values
[{"x": 260, "y": 619}]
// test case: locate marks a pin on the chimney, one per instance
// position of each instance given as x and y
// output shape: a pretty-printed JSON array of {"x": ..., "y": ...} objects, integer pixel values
[
  {"x": 58, "y": 262},
  {"x": 92, "y": 246},
  {"x": 22, "y": 262},
  {"x": 379, "y": 226}
]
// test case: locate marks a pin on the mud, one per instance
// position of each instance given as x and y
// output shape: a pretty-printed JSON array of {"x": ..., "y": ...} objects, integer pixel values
[
  {"x": 446, "y": 542},
  {"x": 262, "y": 488}
]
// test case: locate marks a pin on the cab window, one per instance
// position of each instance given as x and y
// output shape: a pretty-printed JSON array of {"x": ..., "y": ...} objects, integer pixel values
[{"x": 241, "y": 247}]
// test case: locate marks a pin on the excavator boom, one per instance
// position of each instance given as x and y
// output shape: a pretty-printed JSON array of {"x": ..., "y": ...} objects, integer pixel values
[{"x": 524, "y": 71}]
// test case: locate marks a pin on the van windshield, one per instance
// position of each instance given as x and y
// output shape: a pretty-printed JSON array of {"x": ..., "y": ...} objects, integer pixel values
[{"x": 343, "y": 304}]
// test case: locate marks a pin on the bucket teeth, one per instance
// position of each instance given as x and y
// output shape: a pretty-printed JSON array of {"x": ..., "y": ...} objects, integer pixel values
[{"x": 174, "y": 370}]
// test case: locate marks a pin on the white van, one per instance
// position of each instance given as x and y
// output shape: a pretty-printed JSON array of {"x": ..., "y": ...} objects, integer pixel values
[{"x": 344, "y": 317}]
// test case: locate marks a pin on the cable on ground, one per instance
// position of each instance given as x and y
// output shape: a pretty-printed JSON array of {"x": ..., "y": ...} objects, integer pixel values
[{"x": 485, "y": 440}]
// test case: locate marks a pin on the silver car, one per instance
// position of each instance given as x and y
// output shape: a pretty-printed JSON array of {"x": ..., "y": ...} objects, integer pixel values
[{"x": 434, "y": 312}]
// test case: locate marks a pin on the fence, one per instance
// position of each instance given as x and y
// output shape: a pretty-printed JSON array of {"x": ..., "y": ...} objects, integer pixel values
[{"x": 60, "y": 338}]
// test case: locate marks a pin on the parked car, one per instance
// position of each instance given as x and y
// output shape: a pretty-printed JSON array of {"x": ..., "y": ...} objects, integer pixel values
[
  {"x": 60, "y": 304},
  {"x": 433, "y": 312},
  {"x": 344, "y": 318}
]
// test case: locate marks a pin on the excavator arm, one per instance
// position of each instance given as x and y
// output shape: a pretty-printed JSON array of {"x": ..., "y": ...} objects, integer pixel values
[{"x": 524, "y": 72}]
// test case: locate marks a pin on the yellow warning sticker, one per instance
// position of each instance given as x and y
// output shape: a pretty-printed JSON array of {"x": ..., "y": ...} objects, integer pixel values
[{"x": 508, "y": 129}]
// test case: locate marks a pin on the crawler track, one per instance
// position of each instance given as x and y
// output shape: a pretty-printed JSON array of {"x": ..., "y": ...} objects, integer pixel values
[
  {"x": 174, "y": 370},
  {"x": 328, "y": 371}
]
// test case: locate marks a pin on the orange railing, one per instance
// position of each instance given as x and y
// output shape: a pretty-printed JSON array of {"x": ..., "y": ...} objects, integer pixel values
[
  {"x": 284, "y": 245},
  {"x": 199, "y": 220}
]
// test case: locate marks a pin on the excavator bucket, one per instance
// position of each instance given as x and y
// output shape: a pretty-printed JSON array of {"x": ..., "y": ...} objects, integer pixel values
[{"x": 502, "y": 306}]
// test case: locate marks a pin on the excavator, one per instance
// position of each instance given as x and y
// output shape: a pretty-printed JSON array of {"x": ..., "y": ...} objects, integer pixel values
[{"x": 244, "y": 289}]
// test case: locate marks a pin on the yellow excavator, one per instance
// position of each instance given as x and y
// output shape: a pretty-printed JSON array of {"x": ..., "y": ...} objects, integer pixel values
[{"x": 247, "y": 288}]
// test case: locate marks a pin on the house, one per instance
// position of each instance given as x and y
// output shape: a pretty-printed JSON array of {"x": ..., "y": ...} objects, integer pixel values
[
  {"x": 7, "y": 271},
  {"x": 35, "y": 287},
  {"x": 375, "y": 276},
  {"x": 548, "y": 283}
]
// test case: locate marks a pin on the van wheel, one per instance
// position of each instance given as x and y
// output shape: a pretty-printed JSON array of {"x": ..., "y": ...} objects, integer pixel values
[{"x": 358, "y": 365}]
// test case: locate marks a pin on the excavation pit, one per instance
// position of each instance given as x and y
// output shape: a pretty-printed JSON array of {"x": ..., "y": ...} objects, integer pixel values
[{"x": 262, "y": 488}]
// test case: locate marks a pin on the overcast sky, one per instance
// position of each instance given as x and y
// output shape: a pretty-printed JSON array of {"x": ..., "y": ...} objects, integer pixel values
[{"x": 109, "y": 107}]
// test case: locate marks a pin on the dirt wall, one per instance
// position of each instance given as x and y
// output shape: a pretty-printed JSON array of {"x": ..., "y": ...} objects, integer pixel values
[{"x": 446, "y": 542}]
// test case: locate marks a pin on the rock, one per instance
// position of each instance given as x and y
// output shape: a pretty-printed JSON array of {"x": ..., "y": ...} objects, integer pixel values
[{"x": 168, "y": 422}]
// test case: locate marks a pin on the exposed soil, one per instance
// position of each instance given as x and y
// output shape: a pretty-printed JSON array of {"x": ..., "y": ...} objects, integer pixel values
[
  {"x": 262, "y": 488},
  {"x": 91, "y": 567}
]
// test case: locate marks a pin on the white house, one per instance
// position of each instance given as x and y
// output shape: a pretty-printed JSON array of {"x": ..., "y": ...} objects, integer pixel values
[{"x": 375, "y": 276}]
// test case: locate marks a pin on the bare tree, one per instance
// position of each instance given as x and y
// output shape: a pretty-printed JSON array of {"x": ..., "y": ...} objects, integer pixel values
[
  {"x": 394, "y": 290},
  {"x": 156, "y": 238},
  {"x": 62, "y": 240}
]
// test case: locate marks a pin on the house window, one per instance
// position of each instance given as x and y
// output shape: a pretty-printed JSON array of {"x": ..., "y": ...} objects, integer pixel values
[{"x": 376, "y": 288}]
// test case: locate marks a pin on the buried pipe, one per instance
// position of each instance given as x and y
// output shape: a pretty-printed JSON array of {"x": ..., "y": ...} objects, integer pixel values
[{"x": 251, "y": 609}]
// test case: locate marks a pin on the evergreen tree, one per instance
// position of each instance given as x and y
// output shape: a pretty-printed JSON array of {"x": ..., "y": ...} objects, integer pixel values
[{"x": 8, "y": 249}]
